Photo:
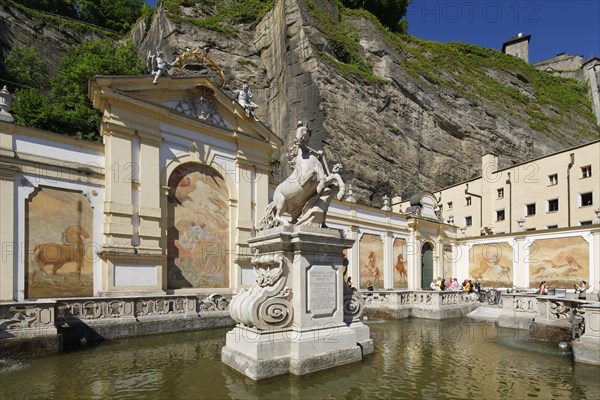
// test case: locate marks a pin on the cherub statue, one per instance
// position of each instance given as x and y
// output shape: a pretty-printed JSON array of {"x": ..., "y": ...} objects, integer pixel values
[
  {"x": 244, "y": 97},
  {"x": 157, "y": 65}
]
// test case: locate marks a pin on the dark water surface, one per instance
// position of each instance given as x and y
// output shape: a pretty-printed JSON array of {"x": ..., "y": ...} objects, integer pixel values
[{"x": 413, "y": 358}]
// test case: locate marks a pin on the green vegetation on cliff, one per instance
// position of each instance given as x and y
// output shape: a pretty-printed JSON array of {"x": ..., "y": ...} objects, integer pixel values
[
  {"x": 219, "y": 15},
  {"x": 342, "y": 37},
  {"x": 481, "y": 74},
  {"x": 64, "y": 106},
  {"x": 116, "y": 15}
]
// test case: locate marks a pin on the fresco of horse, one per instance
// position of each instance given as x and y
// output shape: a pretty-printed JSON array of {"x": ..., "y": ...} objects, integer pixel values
[
  {"x": 60, "y": 250},
  {"x": 371, "y": 256},
  {"x": 561, "y": 262},
  {"x": 72, "y": 249},
  {"x": 492, "y": 264},
  {"x": 400, "y": 270}
]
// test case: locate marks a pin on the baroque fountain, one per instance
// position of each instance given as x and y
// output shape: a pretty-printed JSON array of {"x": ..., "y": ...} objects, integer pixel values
[{"x": 299, "y": 316}]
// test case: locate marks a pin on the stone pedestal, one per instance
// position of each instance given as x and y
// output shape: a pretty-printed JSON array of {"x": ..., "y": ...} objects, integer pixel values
[
  {"x": 299, "y": 316},
  {"x": 586, "y": 349}
]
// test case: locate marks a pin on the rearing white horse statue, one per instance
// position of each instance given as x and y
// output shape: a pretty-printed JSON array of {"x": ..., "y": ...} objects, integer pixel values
[{"x": 308, "y": 191}]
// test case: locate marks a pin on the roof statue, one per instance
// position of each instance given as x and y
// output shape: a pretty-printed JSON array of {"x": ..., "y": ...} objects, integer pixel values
[
  {"x": 245, "y": 98},
  {"x": 158, "y": 66},
  {"x": 308, "y": 191}
]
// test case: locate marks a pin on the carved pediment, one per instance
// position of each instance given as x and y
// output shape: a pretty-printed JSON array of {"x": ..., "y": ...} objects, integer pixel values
[
  {"x": 171, "y": 98},
  {"x": 200, "y": 102}
]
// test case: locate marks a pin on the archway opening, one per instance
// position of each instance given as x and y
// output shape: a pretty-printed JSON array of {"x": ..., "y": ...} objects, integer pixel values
[{"x": 426, "y": 265}]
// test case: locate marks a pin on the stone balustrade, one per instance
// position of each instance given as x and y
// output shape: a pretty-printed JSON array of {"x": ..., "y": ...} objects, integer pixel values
[
  {"x": 418, "y": 303},
  {"x": 86, "y": 310},
  {"x": 98, "y": 318},
  {"x": 27, "y": 319},
  {"x": 518, "y": 310}
]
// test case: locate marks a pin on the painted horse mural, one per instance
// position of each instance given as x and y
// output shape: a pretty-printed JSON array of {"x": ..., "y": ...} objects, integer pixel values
[{"x": 72, "y": 249}]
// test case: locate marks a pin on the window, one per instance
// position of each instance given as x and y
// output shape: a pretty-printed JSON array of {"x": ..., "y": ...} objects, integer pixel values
[
  {"x": 585, "y": 222},
  {"x": 552, "y": 226},
  {"x": 468, "y": 200},
  {"x": 500, "y": 215},
  {"x": 449, "y": 205},
  {"x": 501, "y": 193},
  {"x": 553, "y": 205},
  {"x": 586, "y": 199},
  {"x": 468, "y": 221},
  {"x": 530, "y": 209},
  {"x": 586, "y": 171},
  {"x": 553, "y": 179}
]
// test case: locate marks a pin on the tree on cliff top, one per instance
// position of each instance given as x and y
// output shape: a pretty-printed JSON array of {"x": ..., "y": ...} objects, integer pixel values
[
  {"x": 117, "y": 15},
  {"x": 388, "y": 12},
  {"x": 67, "y": 109}
]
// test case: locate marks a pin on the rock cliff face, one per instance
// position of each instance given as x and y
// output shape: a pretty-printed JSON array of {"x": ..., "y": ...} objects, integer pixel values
[
  {"x": 51, "y": 37},
  {"x": 407, "y": 126}
]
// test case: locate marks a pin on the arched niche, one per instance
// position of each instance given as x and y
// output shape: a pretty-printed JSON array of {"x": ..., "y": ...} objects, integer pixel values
[
  {"x": 426, "y": 264},
  {"x": 198, "y": 228}
]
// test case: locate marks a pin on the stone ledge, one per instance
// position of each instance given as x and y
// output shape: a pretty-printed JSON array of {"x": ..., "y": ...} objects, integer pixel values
[
  {"x": 31, "y": 346},
  {"x": 255, "y": 369},
  {"x": 586, "y": 352}
]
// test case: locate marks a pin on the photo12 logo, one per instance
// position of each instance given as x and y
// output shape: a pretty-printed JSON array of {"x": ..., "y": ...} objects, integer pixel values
[{"x": 472, "y": 12}]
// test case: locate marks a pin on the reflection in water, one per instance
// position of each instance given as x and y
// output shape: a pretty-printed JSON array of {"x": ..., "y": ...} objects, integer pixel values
[{"x": 413, "y": 359}]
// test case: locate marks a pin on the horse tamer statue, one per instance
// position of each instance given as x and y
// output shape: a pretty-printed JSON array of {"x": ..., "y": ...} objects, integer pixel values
[{"x": 308, "y": 191}]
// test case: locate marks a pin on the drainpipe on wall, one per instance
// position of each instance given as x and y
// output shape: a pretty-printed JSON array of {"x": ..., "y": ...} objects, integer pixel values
[
  {"x": 509, "y": 183},
  {"x": 480, "y": 205},
  {"x": 572, "y": 155}
]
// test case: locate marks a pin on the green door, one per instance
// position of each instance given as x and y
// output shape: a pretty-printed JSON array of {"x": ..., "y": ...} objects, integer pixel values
[{"x": 426, "y": 265}]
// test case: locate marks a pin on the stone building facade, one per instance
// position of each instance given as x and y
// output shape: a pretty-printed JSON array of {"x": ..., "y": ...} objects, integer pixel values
[
  {"x": 518, "y": 46},
  {"x": 166, "y": 204}
]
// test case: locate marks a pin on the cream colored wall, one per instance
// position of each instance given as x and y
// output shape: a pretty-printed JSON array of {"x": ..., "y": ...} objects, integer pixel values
[
  {"x": 357, "y": 220},
  {"x": 529, "y": 183},
  {"x": 161, "y": 140},
  {"x": 30, "y": 158}
]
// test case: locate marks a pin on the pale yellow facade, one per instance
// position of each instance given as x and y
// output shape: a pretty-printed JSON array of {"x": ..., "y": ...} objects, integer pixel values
[
  {"x": 557, "y": 191},
  {"x": 151, "y": 131}
]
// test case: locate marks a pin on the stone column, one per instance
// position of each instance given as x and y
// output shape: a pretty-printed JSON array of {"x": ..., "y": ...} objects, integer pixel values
[
  {"x": 413, "y": 256},
  {"x": 388, "y": 260},
  {"x": 288, "y": 318},
  {"x": 8, "y": 242}
]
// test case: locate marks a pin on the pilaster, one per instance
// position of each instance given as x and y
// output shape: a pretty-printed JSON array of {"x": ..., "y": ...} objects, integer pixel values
[{"x": 8, "y": 240}]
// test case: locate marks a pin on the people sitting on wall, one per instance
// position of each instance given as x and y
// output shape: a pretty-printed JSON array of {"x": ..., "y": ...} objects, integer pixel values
[
  {"x": 543, "y": 289},
  {"x": 370, "y": 286},
  {"x": 432, "y": 285},
  {"x": 443, "y": 284},
  {"x": 477, "y": 286},
  {"x": 455, "y": 284},
  {"x": 448, "y": 284},
  {"x": 349, "y": 281},
  {"x": 468, "y": 286},
  {"x": 438, "y": 284},
  {"x": 580, "y": 288}
]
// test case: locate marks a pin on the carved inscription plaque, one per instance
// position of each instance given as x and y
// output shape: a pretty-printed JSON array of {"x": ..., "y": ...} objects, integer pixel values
[{"x": 322, "y": 290}]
